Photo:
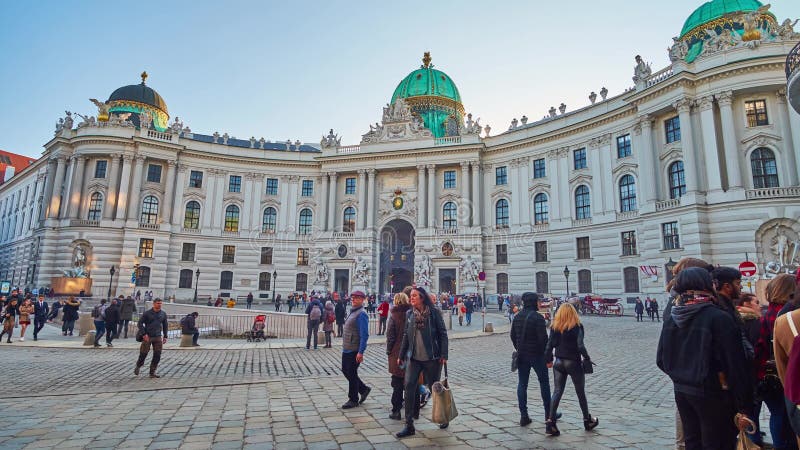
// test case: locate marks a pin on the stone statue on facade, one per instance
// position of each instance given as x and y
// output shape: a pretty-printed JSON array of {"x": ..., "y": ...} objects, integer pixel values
[
  {"x": 514, "y": 124},
  {"x": 331, "y": 140},
  {"x": 679, "y": 50},
  {"x": 145, "y": 120},
  {"x": 552, "y": 111},
  {"x": 786, "y": 31},
  {"x": 79, "y": 262},
  {"x": 784, "y": 246},
  {"x": 68, "y": 120},
  {"x": 399, "y": 123},
  {"x": 472, "y": 126},
  {"x": 321, "y": 271},
  {"x": 469, "y": 269},
  {"x": 592, "y": 97},
  {"x": 562, "y": 108},
  {"x": 102, "y": 109},
  {"x": 177, "y": 125},
  {"x": 751, "y": 21},
  {"x": 361, "y": 276},
  {"x": 423, "y": 270},
  {"x": 603, "y": 93},
  {"x": 88, "y": 121},
  {"x": 641, "y": 71},
  {"x": 486, "y": 130}
]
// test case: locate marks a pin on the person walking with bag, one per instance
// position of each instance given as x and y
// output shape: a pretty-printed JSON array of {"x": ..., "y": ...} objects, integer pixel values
[
  {"x": 566, "y": 339},
  {"x": 9, "y": 318},
  {"x": 395, "y": 332},
  {"x": 71, "y": 314},
  {"x": 112, "y": 317},
  {"x": 314, "y": 314},
  {"x": 529, "y": 337},
  {"x": 152, "y": 328},
  {"x": 424, "y": 349},
  {"x": 126, "y": 310}
]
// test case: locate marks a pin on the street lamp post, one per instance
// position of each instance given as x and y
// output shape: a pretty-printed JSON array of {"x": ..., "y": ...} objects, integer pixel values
[
  {"x": 111, "y": 281},
  {"x": 668, "y": 268},
  {"x": 566, "y": 277},
  {"x": 274, "y": 281},
  {"x": 196, "y": 280}
]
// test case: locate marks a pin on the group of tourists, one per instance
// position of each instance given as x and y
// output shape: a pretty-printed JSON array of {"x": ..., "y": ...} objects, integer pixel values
[
  {"x": 650, "y": 305},
  {"x": 112, "y": 319}
]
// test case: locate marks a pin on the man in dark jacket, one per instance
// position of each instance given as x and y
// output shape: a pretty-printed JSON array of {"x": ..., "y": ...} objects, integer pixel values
[
  {"x": 188, "y": 326},
  {"x": 40, "y": 312},
  {"x": 529, "y": 336},
  {"x": 341, "y": 312},
  {"x": 314, "y": 314},
  {"x": 127, "y": 308},
  {"x": 153, "y": 324},
  {"x": 112, "y": 319},
  {"x": 249, "y": 300}
]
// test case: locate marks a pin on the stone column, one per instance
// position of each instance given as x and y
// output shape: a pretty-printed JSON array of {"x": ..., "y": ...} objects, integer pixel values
[
  {"x": 136, "y": 189},
  {"x": 564, "y": 194},
  {"x": 421, "y": 204},
  {"x": 464, "y": 213},
  {"x": 794, "y": 125},
  {"x": 111, "y": 192},
  {"x": 523, "y": 174},
  {"x": 362, "y": 199},
  {"x": 41, "y": 178},
  {"x": 247, "y": 194},
  {"x": 169, "y": 194},
  {"x": 684, "y": 107},
  {"x": 431, "y": 195},
  {"x": 610, "y": 189},
  {"x": 124, "y": 184},
  {"x": 47, "y": 200},
  {"x": 256, "y": 215},
  {"x": 293, "y": 200},
  {"x": 332, "y": 200},
  {"x": 792, "y": 140},
  {"x": 217, "y": 211},
  {"x": 371, "y": 199},
  {"x": 476, "y": 196},
  {"x": 323, "y": 196},
  {"x": 79, "y": 165},
  {"x": 554, "y": 210},
  {"x": 732, "y": 165},
  {"x": 647, "y": 182},
  {"x": 206, "y": 210},
  {"x": 177, "y": 199},
  {"x": 706, "y": 106},
  {"x": 488, "y": 211}
]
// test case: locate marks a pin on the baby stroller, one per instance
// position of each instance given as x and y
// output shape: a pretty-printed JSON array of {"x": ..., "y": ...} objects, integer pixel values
[{"x": 256, "y": 333}]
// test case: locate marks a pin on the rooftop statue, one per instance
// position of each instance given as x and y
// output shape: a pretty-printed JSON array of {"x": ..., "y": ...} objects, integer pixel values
[
  {"x": 399, "y": 123},
  {"x": 679, "y": 50},
  {"x": 331, "y": 140},
  {"x": 641, "y": 71},
  {"x": 102, "y": 109},
  {"x": 786, "y": 30},
  {"x": 752, "y": 21}
]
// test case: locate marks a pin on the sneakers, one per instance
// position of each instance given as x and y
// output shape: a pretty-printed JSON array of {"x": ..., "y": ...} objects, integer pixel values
[
  {"x": 350, "y": 404},
  {"x": 525, "y": 421},
  {"x": 22, "y": 339},
  {"x": 96, "y": 345},
  {"x": 154, "y": 375},
  {"x": 590, "y": 424},
  {"x": 35, "y": 339},
  {"x": 364, "y": 395},
  {"x": 109, "y": 345}
]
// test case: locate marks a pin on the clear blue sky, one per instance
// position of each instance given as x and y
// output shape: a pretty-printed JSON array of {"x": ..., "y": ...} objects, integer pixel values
[{"x": 292, "y": 70}]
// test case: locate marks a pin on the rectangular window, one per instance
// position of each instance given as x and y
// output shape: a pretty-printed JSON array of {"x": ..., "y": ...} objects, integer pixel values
[
  {"x": 579, "y": 158},
  {"x": 539, "y": 168},
  {"x": 145, "y": 248},
  {"x": 756, "y": 111},
  {"x": 272, "y": 186},
  {"x": 154, "y": 173},
  {"x": 228, "y": 254},
  {"x": 308, "y": 188},
  {"x": 502, "y": 253},
  {"x": 266, "y": 255},
  {"x": 582, "y": 245},
  {"x": 235, "y": 183},
  {"x": 500, "y": 176},
  {"x": 623, "y": 146},
  {"x": 449, "y": 179},
  {"x": 672, "y": 129},
  {"x": 100, "y": 168},
  {"x": 302, "y": 256},
  {"x": 185, "y": 280},
  {"x": 188, "y": 251},
  {"x": 264, "y": 281},
  {"x": 628, "y": 243},
  {"x": 540, "y": 248},
  {"x": 669, "y": 231},
  {"x": 196, "y": 179},
  {"x": 226, "y": 280},
  {"x": 349, "y": 186}
]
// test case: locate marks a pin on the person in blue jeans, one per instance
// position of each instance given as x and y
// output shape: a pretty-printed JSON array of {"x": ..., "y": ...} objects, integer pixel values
[
  {"x": 470, "y": 304},
  {"x": 529, "y": 336}
]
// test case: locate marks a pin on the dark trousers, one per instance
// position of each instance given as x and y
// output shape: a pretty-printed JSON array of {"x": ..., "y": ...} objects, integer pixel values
[
  {"x": 572, "y": 368},
  {"x": 430, "y": 370},
  {"x": 382, "y": 325},
  {"x": 111, "y": 332},
  {"x": 654, "y": 315},
  {"x": 339, "y": 329},
  {"x": 350, "y": 370},
  {"x": 38, "y": 324},
  {"x": 639, "y": 317},
  {"x": 249, "y": 305},
  {"x": 328, "y": 341},
  {"x": 68, "y": 326},
  {"x": 196, "y": 336},
  {"x": 100, "y": 330},
  {"x": 469, "y": 318},
  {"x": 707, "y": 422},
  {"x": 144, "y": 349},
  {"x": 780, "y": 429},
  {"x": 525, "y": 364},
  {"x": 277, "y": 307},
  {"x": 313, "y": 328},
  {"x": 397, "y": 393},
  {"x": 122, "y": 328}
]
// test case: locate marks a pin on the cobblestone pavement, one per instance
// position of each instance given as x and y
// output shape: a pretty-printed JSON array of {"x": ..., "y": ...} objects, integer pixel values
[{"x": 290, "y": 398}]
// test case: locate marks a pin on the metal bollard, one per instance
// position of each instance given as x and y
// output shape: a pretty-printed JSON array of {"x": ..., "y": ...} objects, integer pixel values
[{"x": 483, "y": 319}]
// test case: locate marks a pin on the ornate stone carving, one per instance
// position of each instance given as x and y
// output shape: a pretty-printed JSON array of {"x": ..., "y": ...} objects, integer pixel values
[
  {"x": 102, "y": 109},
  {"x": 725, "y": 98},
  {"x": 600, "y": 141},
  {"x": 423, "y": 270},
  {"x": 780, "y": 244},
  {"x": 362, "y": 272},
  {"x": 641, "y": 71},
  {"x": 592, "y": 97},
  {"x": 472, "y": 127},
  {"x": 80, "y": 260},
  {"x": 320, "y": 271},
  {"x": 678, "y": 50},
  {"x": 603, "y": 93},
  {"x": 562, "y": 108},
  {"x": 486, "y": 130},
  {"x": 469, "y": 269},
  {"x": 683, "y": 105},
  {"x": 399, "y": 124},
  {"x": 330, "y": 141},
  {"x": 786, "y": 31},
  {"x": 705, "y": 103}
]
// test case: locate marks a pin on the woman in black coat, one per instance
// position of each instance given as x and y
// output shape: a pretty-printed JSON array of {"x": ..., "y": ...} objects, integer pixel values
[{"x": 71, "y": 308}]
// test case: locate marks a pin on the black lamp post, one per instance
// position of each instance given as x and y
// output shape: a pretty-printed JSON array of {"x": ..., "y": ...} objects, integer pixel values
[
  {"x": 196, "y": 280},
  {"x": 566, "y": 276},
  {"x": 135, "y": 278},
  {"x": 111, "y": 281},
  {"x": 274, "y": 281},
  {"x": 669, "y": 267}
]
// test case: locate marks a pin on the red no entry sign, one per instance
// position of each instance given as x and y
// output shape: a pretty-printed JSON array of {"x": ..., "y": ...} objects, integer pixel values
[
  {"x": 482, "y": 276},
  {"x": 748, "y": 269}
]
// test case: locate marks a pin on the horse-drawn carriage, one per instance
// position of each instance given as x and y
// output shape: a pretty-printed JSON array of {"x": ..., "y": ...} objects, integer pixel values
[{"x": 595, "y": 304}]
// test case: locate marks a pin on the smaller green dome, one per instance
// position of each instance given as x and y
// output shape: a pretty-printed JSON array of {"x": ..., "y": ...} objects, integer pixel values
[
  {"x": 427, "y": 81},
  {"x": 715, "y": 9}
]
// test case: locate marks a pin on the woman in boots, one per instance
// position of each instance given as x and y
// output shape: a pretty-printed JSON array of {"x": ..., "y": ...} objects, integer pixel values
[
  {"x": 9, "y": 318},
  {"x": 25, "y": 311},
  {"x": 395, "y": 331}
]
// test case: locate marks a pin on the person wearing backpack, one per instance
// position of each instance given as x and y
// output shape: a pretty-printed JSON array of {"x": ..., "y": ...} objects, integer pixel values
[
  {"x": 314, "y": 313},
  {"x": 98, "y": 314},
  {"x": 329, "y": 318},
  {"x": 112, "y": 318},
  {"x": 188, "y": 326},
  {"x": 786, "y": 345}
]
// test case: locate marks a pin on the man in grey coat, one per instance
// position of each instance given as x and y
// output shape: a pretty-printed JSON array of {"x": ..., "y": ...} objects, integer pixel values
[{"x": 126, "y": 310}]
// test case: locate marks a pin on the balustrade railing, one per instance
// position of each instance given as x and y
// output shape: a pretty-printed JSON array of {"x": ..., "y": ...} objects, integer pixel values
[
  {"x": 447, "y": 140},
  {"x": 343, "y": 234},
  {"x": 191, "y": 230},
  {"x": 161, "y": 136},
  {"x": 149, "y": 226},
  {"x": 581, "y": 222},
  {"x": 447, "y": 231},
  {"x": 230, "y": 233},
  {"x": 659, "y": 76},
  {"x": 347, "y": 149},
  {"x": 84, "y": 223},
  {"x": 767, "y": 193},
  {"x": 539, "y": 227},
  {"x": 668, "y": 204},
  {"x": 627, "y": 215}
]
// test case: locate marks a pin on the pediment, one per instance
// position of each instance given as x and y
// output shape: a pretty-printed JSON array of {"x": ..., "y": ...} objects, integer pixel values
[
  {"x": 580, "y": 178},
  {"x": 96, "y": 186},
  {"x": 625, "y": 167},
  {"x": 449, "y": 196},
  {"x": 270, "y": 202},
  {"x": 760, "y": 139},
  {"x": 195, "y": 195},
  {"x": 539, "y": 186},
  {"x": 671, "y": 152},
  {"x": 501, "y": 193}
]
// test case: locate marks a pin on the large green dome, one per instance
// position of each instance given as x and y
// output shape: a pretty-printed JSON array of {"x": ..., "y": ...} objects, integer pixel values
[
  {"x": 715, "y": 9},
  {"x": 137, "y": 99},
  {"x": 427, "y": 81}
]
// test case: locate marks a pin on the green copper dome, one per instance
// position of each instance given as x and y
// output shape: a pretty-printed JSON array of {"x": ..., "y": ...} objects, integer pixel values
[
  {"x": 427, "y": 81},
  {"x": 137, "y": 99},
  {"x": 715, "y": 9}
]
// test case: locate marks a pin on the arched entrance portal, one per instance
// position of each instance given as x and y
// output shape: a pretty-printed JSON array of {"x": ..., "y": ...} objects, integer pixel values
[{"x": 397, "y": 256}]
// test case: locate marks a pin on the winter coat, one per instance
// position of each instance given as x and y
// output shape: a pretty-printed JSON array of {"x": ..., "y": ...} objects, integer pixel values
[
  {"x": 71, "y": 310},
  {"x": 639, "y": 308},
  {"x": 127, "y": 308},
  {"x": 434, "y": 335},
  {"x": 532, "y": 343},
  {"x": 341, "y": 312},
  {"x": 329, "y": 310},
  {"x": 395, "y": 332},
  {"x": 567, "y": 345},
  {"x": 112, "y": 314},
  {"x": 25, "y": 313}
]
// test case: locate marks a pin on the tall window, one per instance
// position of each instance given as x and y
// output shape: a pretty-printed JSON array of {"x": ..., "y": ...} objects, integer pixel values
[
  {"x": 149, "y": 210},
  {"x": 583, "y": 205},
  {"x": 502, "y": 253},
  {"x": 764, "y": 167},
  {"x": 145, "y": 248},
  {"x": 264, "y": 281},
  {"x": 191, "y": 218},
  {"x": 449, "y": 213},
  {"x": 185, "y": 279},
  {"x": 350, "y": 186},
  {"x": 266, "y": 255},
  {"x": 540, "y": 251},
  {"x": 269, "y": 222},
  {"x": 272, "y": 186},
  {"x": 756, "y": 111},
  {"x": 623, "y": 146},
  {"x": 143, "y": 276},
  {"x": 100, "y": 168},
  {"x": 501, "y": 213},
  {"x": 677, "y": 180},
  {"x": 584, "y": 281},
  {"x": 349, "y": 219},
  {"x": 235, "y": 183},
  {"x": 540, "y": 210},
  {"x": 232, "y": 218},
  {"x": 582, "y": 246},
  {"x": 95, "y": 206},
  {"x": 195, "y": 179},
  {"x": 500, "y": 175},
  {"x": 502, "y": 283},
  {"x": 539, "y": 168},
  {"x": 302, "y": 256},
  {"x": 308, "y": 188},
  {"x": 627, "y": 193},
  {"x": 305, "y": 222},
  {"x": 579, "y": 158},
  {"x": 449, "y": 179},
  {"x": 669, "y": 232},
  {"x": 154, "y": 173},
  {"x": 542, "y": 284},
  {"x": 228, "y": 254},
  {"x": 628, "y": 243},
  {"x": 672, "y": 129},
  {"x": 301, "y": 282},
  {"x": 631, "y": 276},
  {"x": 226, "y": 279},
  {"x": 188, "y": 251}
]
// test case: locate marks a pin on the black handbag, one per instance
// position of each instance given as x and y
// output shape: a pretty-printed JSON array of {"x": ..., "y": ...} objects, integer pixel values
[
  {"x": 140, "y": 335},
  {"x": 587, "y": 364}
]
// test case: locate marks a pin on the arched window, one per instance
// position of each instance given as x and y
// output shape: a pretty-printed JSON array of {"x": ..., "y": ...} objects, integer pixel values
[
  {"x": 540, "y": 209},
  {"x": 501, "y": 213},
  {"x": 627, "y": 193},
  {"x": 149, "y": 210},
  {"x": 449, "y": 214},
  {"x": 631, "y": 276},
  {"x": 305, "y": 222},
  {"x": 677, "y": 180},
  {"x": 191, "y": 218},
  {"x": 264, "y": 281},
  {"x": 764, "y": 167},
  {"x": 143, "y": 276},
  {"x": 584, "y": 281},
  {"x": 269, "y": 223},
  {"x": 301, "y": 282},
  {"x": 502, "y": 283},
  {"x": 185, "y": 280},
  {"x": 542, "y": 284},
  {"x": 349, "y": 219},
  {"x": 95, "y": 206},
  {"x": 232, "y": 218},
  {"x": 583, "y": 205},
  {"x": 226, "y": 279}
]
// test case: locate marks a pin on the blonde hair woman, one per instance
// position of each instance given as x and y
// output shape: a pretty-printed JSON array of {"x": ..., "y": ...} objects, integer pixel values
[{"x": 566, "y": 340}]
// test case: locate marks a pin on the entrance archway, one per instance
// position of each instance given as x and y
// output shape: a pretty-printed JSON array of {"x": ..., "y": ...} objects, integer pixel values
[{"x": 397, "y": 256}]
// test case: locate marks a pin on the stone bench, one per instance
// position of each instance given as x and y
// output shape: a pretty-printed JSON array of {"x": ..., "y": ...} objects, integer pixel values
[
  {"x": 186, "y": 340},
  {"x": 488, "y": 328}
]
